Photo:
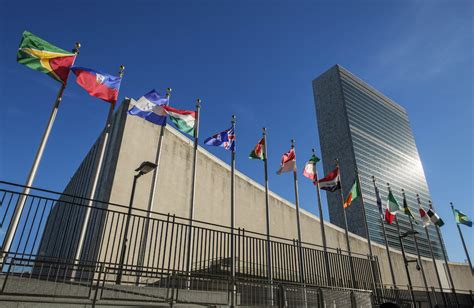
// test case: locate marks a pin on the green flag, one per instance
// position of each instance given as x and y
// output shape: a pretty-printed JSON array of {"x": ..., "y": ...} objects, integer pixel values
[
  {"x": 259, "y": 151},
  {"x": 461, "y": 218}
]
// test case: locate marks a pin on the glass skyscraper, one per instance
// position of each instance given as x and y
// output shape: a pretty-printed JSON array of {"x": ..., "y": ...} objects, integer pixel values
[{"x": 369, "y": 132}]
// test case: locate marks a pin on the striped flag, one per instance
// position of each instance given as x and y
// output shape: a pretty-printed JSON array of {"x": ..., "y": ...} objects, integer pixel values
[
  {"x": 185, "y": 120},
  {"x": 310, "y": 168},
  {"x": 424, "y": 217},
  {"x": 288, "y": 162},
  {"x": 354, "y": 193},
  {"x": 331, "y": 182},
  {"x": 407, "y": 210},
  {"x": 392, "y": 208},
  {"x": 435, "y": 218},
  {"x": 259, "y": 151}
]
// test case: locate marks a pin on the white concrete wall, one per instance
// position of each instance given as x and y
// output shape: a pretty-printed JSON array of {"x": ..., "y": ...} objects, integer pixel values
[{"x": 139, "y": 143}]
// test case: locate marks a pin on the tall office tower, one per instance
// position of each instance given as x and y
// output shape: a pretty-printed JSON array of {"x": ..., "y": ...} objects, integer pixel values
[{"x": 369, "y": 132}]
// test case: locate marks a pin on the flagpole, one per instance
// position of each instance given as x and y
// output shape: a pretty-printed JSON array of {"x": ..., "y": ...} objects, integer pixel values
[
  {"x": 95, "y": 178},
  {"x": 351, "y": 264},
  {"x": 232, "y": 217},
  {"x": 367, "y": 231},
  {"x": 151, "y": 198},
  {"x": 9, "y": 235},
  {"x": 445, "y": 258},
  {"x": 463, "y": 243},
  {"x": 394, "y": 283},
  {"x": 432, "y": 256},
  {"x": 267, "y": 212},
  {"x": 321, "y": 223},
  {"x": 300, "y": 249},
  {"x": 420, "y": 264},
  {"x": 193, "y": 189},
  {"x": 405, "y": 261}
]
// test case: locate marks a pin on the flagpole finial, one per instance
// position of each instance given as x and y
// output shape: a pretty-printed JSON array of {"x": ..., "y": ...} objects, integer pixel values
[
  {"x": 233, "y": 119},
  {"x": 450, "y": 203},
  {"x": 314, "y": 151},
  {"x": 292, "y": 143},
  {"x": 373, "y": 178},
  {"x": 264, "y": 131},
  {"x": 121, "y": 70},
  {"x": 168, "y": 92},
  {"x": 77, "y": 45},
  {"x": 198, "y": 103}
]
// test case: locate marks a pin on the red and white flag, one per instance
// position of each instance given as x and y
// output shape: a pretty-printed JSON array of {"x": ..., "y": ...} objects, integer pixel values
[{"x": 288, "y": 162}]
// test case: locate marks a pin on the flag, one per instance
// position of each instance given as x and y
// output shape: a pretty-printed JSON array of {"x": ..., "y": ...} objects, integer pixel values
[
  {"x": 100, "y": 85},
  {"x": 184, "y": 120},
  {"x": 42, "y": 56},
  {"x": 288, "y": 162},
  {"x": 461, "y": 218},
  {"x": 259, "y": 151},
  {"x": 225, "y": 139},
  {"x": 331, "y": 182},
  {"x": 392, "y": 208},
  {"x": 310, "y": 168},
  {"x": 407, "y": 210},
  {"x": 424, "y": 217},
  {"x": 435, "y": 218},
  {"x": 379, "y": 202},
  {"x": 353, "y": 194},
  {"x": 146, "y": 107}
]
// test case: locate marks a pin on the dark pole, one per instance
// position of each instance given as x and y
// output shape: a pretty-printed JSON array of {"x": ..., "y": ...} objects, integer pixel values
[
  {"x": 127, "y": 224},
  {"x": 346, "y": 228},
  {"x": 298, "y": 225},
  {"x": 445, "y": 258},
  {"x": 418, "y": 255},
  {"x": 382, "y": 222},
  {"x": 321, "y": 223},
  {"x": 232, "y": 217},
  {"x": 193, "y": 189},
  {"x": 367, "y": 232},
  {"x": 433, "y": 257},
  {"x": 410, "y": 286},
  {"x": 267, "y": 212},
  {"x": 463, "y": 243}
]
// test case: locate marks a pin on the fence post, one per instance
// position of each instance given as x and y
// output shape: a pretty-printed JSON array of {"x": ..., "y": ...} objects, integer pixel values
[
  {"x": 97, "y": 286},
  {"x": 282, "y": 302}
]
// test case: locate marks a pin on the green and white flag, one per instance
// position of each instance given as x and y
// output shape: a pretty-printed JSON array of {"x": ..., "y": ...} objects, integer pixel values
[
  {"x": 259, "y": 151},
  {"x": 184, "y": 120}
]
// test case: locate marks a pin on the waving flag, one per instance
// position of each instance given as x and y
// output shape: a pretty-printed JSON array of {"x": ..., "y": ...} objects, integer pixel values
[
  {"x": 407, "y": 210},
  {"x": 310, "y": 168},
  {"x": 258, "y": 151},
  {"x": 379, "y": 202},
  {"x": 353, "y": 194},
  {"x": 146, "y": 107},
  {"x": 183, "y": 119},
  {"x": 392, "y": 208},
  {"x": 424, "y": 217},
  {"x": 288, "y": 162},
  {"x": 435, "y": 218},
  {"x": 331, "y": 182},
  {"x": 42, "y": 56},
  {"x": 461, "y": 218},
  {"x": 225, "y": 139},
  {"x": 100, "y": 85}
]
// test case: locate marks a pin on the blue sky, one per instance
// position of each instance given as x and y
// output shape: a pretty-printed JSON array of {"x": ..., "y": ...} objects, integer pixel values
[{"x": 255, "y": 59}]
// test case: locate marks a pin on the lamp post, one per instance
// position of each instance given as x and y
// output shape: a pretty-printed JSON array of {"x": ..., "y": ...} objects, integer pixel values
[
  {"x": 406, "y": 261},
  {"x": 144, "y": 168}
]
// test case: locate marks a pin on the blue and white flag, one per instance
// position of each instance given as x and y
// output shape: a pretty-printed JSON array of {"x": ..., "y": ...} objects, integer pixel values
[
  {"x": 225, "y": 139},
  {"x": 148, "y": 108}
]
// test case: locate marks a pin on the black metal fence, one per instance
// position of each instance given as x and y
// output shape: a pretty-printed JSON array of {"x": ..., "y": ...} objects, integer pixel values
[{"x": 41, "y": 259}]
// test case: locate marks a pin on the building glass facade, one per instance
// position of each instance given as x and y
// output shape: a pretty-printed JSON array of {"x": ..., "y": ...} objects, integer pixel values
[{"x": 368, "y": 132}]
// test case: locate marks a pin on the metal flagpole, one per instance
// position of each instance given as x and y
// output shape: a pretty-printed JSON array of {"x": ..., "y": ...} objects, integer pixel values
[
  {"x": 445, "y": 258},
  {"x": 193, "y": 190},
  {"x": 321, "y": 223},
  {"x": 394, "y": 283},
  {"x": 232, "y": 217},
  {"x": 367, "y": 231},
  {"x": 300, "y": 248},
  {"x": 267, "y": 212},
  {"x": 351, "y": 264},
  {"x": 463, "y": 243},
  {"x": 151, "y": 198},
  {"x": 9, "y": 235},
  {"x": 410, "y": 286},
  {"x": 433, "y": 257},
  {"x": 95, "y": 182},
  {"x": 418, "y": 255}
]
